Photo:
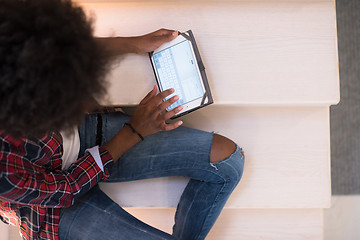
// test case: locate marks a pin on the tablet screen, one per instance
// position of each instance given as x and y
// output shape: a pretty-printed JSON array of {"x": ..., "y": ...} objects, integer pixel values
[{"x": 176, "y": 68}]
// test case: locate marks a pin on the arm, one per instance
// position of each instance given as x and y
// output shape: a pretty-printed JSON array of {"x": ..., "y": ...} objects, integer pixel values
[
  {"x": 22, "y": 181},
  {"x": 140, "y": 44},
  {"x": 147, "y": 119}
]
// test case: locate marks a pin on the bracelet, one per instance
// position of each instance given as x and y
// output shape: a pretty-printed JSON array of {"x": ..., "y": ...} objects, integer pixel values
[{"x": 134, "y": 131}]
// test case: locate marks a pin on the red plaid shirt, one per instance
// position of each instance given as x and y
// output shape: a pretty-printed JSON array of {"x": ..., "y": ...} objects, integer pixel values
[{"x": 33, "y": 188}]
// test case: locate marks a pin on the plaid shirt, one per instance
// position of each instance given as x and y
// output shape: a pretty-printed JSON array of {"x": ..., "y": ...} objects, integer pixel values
[{"x": 33, "y": 188}]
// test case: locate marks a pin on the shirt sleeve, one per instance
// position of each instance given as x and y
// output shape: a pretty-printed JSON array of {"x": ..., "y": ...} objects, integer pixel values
[
  {"x": 94, "y": 151},
  {"x": 23, "y": 182}
]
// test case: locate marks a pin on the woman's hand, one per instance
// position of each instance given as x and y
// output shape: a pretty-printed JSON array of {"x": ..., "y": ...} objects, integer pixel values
[
  {"x": 150, "y": 116},
  {"x": 149, "y": 42},
  {"x": 140, "y": 45}
]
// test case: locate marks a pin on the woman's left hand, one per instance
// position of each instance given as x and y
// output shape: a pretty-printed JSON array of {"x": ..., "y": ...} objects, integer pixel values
[
  {"x": 140, "y": 44},
  {"x": 149, "y": 42}
]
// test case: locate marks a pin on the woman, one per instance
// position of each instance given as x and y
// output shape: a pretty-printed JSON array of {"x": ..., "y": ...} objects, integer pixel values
[{"x": 51, "y": 70}]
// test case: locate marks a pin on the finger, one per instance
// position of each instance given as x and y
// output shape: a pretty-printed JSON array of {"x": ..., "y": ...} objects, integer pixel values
[
  {"x": 150, "y": 95},
  {"x": 168, "y": 103},
  {"x": 168, "y": 127},
  {"x": 167, "y": 35},
  {"x": 172, "y": 113},
  {"x": 155, "y": 101}
]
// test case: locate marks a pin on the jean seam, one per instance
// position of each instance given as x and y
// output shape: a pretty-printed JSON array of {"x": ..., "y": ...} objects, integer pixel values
[
  {"x": 187, "y": 212},
  {"x": 211, "y": 209},
  {"x": 73, "y": 219}
]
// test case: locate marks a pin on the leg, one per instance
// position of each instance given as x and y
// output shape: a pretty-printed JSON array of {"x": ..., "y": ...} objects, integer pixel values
[
  {"x": 95, "y": 216},
  {"x": 183, "y": 152},
  {"x": 193, "y": 211},
  {"x": 213, "y": 164}
]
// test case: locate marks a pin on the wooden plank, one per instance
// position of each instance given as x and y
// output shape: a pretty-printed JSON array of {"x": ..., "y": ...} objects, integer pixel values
[
  {"x": 14, "y": 233},
  {"x": 249, "y": 224},
  {"x": 287, "y": 159},
  {"x": 257, "y": 53},
  {"x": 4, "y": 231},
  {"x": 341, "y": 220}
]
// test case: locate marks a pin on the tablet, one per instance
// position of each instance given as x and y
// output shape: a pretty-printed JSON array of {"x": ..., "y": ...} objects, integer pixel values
[{"x": 177, "y": 64}]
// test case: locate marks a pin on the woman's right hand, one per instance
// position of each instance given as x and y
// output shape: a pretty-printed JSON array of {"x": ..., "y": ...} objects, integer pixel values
[{"x": 150, "y": 116}]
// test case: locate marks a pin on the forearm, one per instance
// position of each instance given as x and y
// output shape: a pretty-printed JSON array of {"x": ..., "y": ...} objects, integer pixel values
[
  {"x": 140, "y": 44},
  {"x": 121, "y": 143},
  {"x": 119, "y": 45}
]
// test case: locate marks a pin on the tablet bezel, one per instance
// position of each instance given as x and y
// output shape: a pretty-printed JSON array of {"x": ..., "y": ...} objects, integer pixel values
[{"x": 191, "y": 105}]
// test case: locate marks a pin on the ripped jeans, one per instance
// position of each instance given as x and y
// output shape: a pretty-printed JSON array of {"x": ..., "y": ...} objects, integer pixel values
[{"x": 180, "y": 152}]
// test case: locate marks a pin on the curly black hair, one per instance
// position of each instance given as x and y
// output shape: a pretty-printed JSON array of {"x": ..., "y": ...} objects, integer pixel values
[{"x": 51, "y": 66}]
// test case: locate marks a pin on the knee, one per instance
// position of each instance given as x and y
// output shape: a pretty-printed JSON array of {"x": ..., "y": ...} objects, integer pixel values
[{"x": 221, "y": 148}]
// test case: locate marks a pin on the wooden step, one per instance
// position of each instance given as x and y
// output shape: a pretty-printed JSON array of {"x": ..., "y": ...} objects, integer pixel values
[
  {"x": 287, "y": 159},
  {"x": 249, "y": 224},
  {"x": 341, "y": 220},
  {"x": 255, "y": 53},
  {"x": 4, "y": 231}
]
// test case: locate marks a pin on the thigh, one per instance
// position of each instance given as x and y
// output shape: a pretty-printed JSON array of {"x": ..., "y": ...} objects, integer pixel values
[
  {"x": 97, "y": 129},
  {"x": 180, "y": 152},
  {"x": 95, "y": 216}
]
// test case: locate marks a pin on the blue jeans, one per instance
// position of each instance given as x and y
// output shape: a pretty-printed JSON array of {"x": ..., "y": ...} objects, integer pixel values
[{"x": 180, "y": 152}]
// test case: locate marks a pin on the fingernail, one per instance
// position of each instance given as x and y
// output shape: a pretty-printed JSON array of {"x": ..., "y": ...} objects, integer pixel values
[
  {"x": 175, "y": 33},
  {"x": 180, "y": 108},
  {"x": 176, "y": 97},
  {"x": 172, "y": 90},
  {"x": 180, "y": 122}
]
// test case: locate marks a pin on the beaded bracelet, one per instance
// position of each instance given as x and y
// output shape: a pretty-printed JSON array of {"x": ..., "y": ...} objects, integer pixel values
[{"x": 134, "y": 131}]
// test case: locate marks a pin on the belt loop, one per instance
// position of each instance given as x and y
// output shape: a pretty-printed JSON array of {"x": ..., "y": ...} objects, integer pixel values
[{"x": 99, "y": 133}]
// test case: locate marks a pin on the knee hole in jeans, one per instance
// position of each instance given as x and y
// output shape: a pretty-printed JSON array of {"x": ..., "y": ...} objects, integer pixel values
[{"x": 221, "y": 148}]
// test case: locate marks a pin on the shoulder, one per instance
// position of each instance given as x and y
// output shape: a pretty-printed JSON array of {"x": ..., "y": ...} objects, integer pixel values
[{"x": 38, "y": 151}]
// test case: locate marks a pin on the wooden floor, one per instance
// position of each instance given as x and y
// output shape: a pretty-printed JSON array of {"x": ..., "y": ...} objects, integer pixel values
[
  {"x": 273, "y": 71},
  {"x": 236, "y": 224}
]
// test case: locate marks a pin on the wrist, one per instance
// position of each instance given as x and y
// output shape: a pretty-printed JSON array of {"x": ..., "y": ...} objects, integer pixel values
[
  {"x": 134, "y": 131},
  {"x": 119, "y": 45},
  {"x": 121, "y": 142},
  {"x": 122, "y": 45}
]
